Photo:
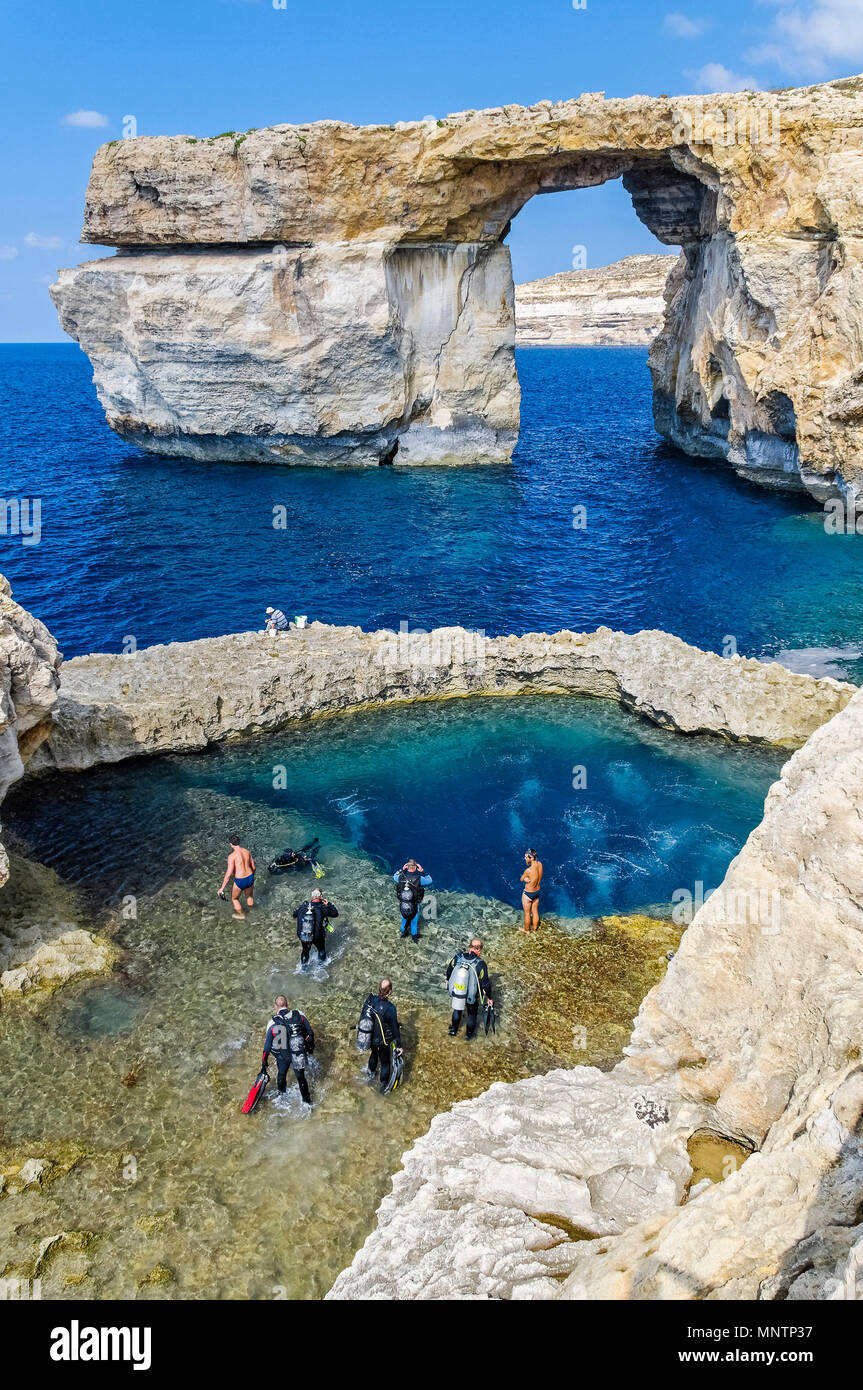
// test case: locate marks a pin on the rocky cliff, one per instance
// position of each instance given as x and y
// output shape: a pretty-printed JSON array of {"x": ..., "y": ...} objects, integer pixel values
[
  {"x": 614, "y": 305},
  {"x": 168, "y": 699},
  {"x": 29, "y": 679},
  {"x": 329, "y": 293},
  {"x": 754, "y": 1036}
]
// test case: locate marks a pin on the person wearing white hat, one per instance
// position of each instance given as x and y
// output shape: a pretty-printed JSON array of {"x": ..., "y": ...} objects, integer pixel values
[{"x": 276, "y": 620}]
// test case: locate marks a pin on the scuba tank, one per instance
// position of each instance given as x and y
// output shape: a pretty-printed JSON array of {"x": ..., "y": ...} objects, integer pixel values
[
  {"x": 463, "y": 983},
  {"x": 365, "y": 1027},
  {"x": 307, "y": 925},
  {"x": 297, "y": 1043},
  {"x": 410, "y": 893}
]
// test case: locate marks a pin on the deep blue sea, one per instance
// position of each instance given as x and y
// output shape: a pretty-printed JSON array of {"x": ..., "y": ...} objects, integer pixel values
[{"x": 165, "y": 550}]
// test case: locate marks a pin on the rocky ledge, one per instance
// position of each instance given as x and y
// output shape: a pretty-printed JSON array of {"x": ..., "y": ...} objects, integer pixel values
[
  {"x": 189, "y": 694},
  {"x": 581, "y": 1184},
  {"x": 29, "y": 680},
  {"x": 619, "y": 305}
]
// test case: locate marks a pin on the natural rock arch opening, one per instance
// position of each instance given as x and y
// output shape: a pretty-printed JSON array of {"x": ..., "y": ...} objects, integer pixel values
[
  {"x": 329, "y": 293},
  {"x": 588, "y": 263}
]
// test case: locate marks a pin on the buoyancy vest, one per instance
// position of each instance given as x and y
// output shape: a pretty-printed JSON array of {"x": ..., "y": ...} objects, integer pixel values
[
  {"x": 410, "y": 892},
  {"x": 289, "y": 1036},
  {"x": 366, "y": 1026},
  {"x": 307, "y": 923}
]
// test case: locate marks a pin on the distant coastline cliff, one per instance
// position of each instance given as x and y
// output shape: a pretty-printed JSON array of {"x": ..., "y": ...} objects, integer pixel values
[{"x": 619, "y": 305}]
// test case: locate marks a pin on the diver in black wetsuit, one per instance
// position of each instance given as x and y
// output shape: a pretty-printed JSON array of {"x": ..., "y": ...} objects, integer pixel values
[
  {"x": 386, "y": 1032},
  {"x": 312, "y": 917},
  {"x": 291, "y": 1040},
  {"x": 294, "y": 860},
  {"x": 469, "y": 986}
]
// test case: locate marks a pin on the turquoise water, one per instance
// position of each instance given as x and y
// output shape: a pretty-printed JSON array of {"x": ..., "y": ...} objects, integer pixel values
[
  {"x": 465, "y": 786},
  {"x": 165, "y": 549},
  {"x": 137, "y": 1081}
]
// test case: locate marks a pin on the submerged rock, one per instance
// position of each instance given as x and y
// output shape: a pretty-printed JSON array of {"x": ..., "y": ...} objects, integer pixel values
[
  {"x": 43, "y": 941},
  {"x": 753, "y": 1036},
  {"x": 189, "y": 694},
  {"x": 71, "y": 956}
]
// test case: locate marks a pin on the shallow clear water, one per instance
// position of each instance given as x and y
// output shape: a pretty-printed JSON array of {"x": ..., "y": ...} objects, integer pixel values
[
  {"x": 129, "y": 540},
  {"x": 138, "y": 1080}
]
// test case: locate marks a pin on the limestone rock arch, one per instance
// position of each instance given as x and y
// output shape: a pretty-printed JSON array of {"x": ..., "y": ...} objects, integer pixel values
[{"x": 337, "y": 294}]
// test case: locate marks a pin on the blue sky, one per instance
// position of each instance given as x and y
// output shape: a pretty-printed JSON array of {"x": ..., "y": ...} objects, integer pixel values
[{"x": 72, "y": 71}]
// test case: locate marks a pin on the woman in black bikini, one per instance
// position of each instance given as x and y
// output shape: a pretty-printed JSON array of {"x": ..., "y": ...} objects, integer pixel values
[{"x": 531, "y": 878}]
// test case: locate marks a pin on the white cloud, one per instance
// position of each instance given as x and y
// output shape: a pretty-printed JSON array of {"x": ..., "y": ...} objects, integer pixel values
[
  {"x": 8, "y": 253},
  {"x": 714, "y": 77},
  {"x": 89, "y": 120},
  {"x": 682, "y": 27},
  {"x": 813, "y": 37},
  {"x": 44, "y": 243}
]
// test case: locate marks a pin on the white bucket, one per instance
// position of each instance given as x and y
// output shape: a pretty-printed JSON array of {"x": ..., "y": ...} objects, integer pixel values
[{"x": 301, "y": 619}]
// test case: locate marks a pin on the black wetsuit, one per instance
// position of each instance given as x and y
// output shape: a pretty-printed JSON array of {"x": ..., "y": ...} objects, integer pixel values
[
  {"x": 321, "y": 912},
  {"x": 278, "y": 1041},
  {"x": 471, "y": 1008},
  {"x": 385, "y": 1032}
]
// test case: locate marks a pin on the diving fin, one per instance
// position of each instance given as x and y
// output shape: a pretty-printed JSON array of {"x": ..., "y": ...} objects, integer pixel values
[
  {"x": 396, "y": 1070},
  {"x": 319, "y": 869},
  {"x": 261, "y": 1082},
  {"x": 489, "y": 1019}
]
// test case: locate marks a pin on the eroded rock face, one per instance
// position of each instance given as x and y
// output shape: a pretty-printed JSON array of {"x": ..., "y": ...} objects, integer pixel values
[
  {"x": 29, "y": 678},
  {"x": 387, "y": 315},
  {"x": 331, "y": 354},
  {"x": 190, "y": 694},
  {"x": 614, "y": 305},
  {"x": 754, "y": 1033}
]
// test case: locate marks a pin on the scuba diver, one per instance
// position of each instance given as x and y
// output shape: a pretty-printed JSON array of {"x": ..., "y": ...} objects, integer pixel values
[
  {"x": 312, "y": 923},
  {"x": 296, "y": 860},
  {"x": 291, "y": 1039},
  {"x": 411, "y": 883},
  {"x": 469, "y": 986},
  {"x": 379, "y": 1031}
]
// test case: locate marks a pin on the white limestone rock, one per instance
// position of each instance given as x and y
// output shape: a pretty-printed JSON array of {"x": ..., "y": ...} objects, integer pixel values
[
  {"x": 189, "y": 694},
  {"x": 29, "y": 678},
  {"x": 348, "y": 289},
  {"x": 334, "y": 354}
]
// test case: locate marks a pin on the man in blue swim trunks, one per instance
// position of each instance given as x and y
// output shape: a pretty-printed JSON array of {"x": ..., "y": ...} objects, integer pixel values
[{"x": 241, "y": 866}]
